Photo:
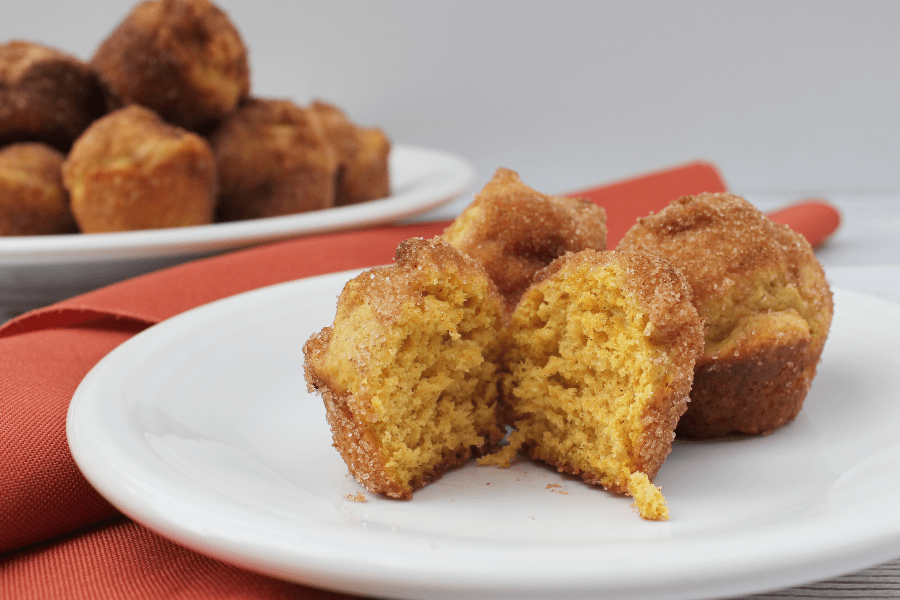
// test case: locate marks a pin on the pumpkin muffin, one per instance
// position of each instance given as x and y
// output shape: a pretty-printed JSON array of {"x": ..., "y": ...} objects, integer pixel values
[
  {"x": 183, "y": 59},
  {"x": 602, "y": 352},
  {"x": 33, "y": 200},
  {"x": 409, "y": 370},
  {"x": 130, "y": 170},
  {"x": 514, "y": 231},
  {"x": 363, "y": 156},
  {"x": 273, "y": 160},
  {"x": 46, "y": 95},
  {"x": 766, "y": 303}
]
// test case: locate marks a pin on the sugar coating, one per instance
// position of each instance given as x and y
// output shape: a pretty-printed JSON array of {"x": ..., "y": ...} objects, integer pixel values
[
  {"x": 183, "y": 59},
  {"x": 46, "y": 95},
  {"x": 514, "y": 231},
  {"x": 766, "y": 303}
]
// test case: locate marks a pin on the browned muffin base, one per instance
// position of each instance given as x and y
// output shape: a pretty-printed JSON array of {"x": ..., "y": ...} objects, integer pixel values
[{"x": 755, "y": 394}]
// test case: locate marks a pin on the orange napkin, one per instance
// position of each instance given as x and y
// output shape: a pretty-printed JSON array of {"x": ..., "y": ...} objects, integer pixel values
[{"x": 58, "y": 537}]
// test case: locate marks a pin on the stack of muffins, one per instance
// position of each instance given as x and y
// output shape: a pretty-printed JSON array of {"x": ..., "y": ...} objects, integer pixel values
[
  {"x": 518, "y": 330},
  {"x": 159, "y": 129}
]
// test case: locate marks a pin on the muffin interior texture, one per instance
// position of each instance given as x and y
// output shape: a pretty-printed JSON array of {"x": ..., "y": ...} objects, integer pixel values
[
  {"x": 587, "y": 377},
  {"x": 423, "y": 380}
]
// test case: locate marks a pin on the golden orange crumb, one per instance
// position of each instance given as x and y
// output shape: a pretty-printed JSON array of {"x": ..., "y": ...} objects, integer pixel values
[{"x": 648, "y": 498}]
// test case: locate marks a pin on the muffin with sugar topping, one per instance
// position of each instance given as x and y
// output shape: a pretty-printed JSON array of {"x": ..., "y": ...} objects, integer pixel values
[
  {"x": 602, "y": 352},
  {"x": 514, "y": 231},
  {"x": 409, "y": 370},
  {"x": 767, "y": 307}
]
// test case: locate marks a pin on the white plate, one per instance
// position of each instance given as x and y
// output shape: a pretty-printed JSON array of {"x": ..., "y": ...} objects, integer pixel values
[
  {"x": 39, "y": 270},
  {"x": 201, "y": 428}
]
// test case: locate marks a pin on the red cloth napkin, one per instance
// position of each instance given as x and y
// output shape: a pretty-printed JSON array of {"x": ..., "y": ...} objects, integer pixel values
[{"x": 58, "y": 537}]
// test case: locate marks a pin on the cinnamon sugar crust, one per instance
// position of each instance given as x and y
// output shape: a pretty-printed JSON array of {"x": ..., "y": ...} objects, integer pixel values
[
  {"x": 514, "y": 231},
  {"x": 767, "y": 307}
]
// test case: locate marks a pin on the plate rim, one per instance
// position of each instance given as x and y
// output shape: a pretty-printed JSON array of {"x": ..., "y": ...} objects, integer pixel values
[{"x": 827, "y": 560}]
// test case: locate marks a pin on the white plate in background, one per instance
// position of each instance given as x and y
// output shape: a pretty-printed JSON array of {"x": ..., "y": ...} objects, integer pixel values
[
  {"x": 39, "y": 270},
  {"x": 201, "y": 428}
]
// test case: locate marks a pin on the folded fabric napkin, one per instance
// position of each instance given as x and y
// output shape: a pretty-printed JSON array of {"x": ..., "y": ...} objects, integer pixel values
[{"x": 58, "y": 537}]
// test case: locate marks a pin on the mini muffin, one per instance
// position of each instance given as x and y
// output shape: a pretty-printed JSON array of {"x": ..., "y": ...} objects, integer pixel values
[
  {"x": 46, "y": 95},
  {"x": 363, "y": 170},
  {"x": 767, "y": 307},
  {"x": 601, "y": 358},
  {"x": 184, "y": 59},
  {"x": 273, "y": 160},
  {"x": 514, "y": 231},
  {"x": 409, "y": 371},
  {"x": 131, "y": 170},
  {"x": 33, "y": 200}
]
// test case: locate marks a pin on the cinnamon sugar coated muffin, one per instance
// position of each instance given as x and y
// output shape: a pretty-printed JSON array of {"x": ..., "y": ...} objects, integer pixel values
[
  {"x": 602, "y": 351},
  {"x": 363, "y": 152},
  {"x": 46, "y": 95},
  {"x": 33, "y": 200},
  {"x": 273, "y": 160},
  {"x": 767, "y": 307},
  {"x": 514, "y": 231},
  {"x": 409, "y": 370},
  {"x": 184, "y": 59},
  {"x": 131, "y": 170}
]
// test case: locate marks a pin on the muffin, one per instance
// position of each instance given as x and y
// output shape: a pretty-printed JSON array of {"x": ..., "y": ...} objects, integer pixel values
[
  {"x": 363, "y": 169},
  {"x": 409, "y": 370},
  {"x": 130, "y": 170},
  {"x": 183, "y": 59},
  {"x": 601, "y": 358},
  {"x": 514, "y": 231},
  {"x": 273, "y": 160},
  {"x": 766, "y": 303},
  {"x": 33, "y": 200},
  {"x": 46, "y": 95}
]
